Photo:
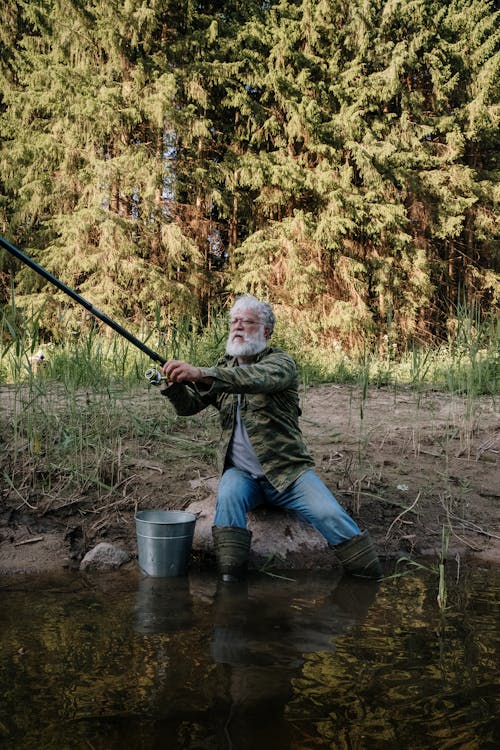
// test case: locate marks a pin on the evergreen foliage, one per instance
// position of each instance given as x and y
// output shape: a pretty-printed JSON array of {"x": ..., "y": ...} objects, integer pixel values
[{"x": 339, "y": 158}]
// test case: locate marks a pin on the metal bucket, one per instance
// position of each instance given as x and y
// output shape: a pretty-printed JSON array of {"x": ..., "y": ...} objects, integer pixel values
[{"x": 164, "y": 541}]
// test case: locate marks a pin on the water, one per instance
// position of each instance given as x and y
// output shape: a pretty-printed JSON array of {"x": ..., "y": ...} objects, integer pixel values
[{"x": 132, "y": 663}]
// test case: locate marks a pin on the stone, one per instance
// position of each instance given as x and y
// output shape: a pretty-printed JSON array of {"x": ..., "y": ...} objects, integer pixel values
[
  {"x": 104, "y": 556},
  {"x": 279, "y": 539}
]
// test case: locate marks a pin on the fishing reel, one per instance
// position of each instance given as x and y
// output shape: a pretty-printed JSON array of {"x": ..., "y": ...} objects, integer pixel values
[{"x": 154, "y": 376}]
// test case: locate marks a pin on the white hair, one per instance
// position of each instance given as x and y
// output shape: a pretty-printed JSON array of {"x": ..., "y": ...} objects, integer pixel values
[{"x": 262, "y": 309}]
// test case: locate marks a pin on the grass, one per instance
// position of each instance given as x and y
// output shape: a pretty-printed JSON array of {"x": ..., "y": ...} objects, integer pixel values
[
  {"x": 75, "y": 401},
  {"x": 65, "y": 447},
  {"x": 467, "y": 363},
  {"x": 69, "y": 427},
  {"x": 437, "y": 570}
]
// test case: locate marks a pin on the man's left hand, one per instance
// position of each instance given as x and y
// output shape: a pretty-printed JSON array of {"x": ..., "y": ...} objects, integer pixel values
[{"x": 178, "y": 371}]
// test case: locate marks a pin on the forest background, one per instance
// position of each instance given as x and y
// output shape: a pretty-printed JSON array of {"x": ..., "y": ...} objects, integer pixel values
[{"x": 339, "y": 158}]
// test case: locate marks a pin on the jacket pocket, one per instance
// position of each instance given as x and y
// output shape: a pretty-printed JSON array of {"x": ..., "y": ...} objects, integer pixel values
[{"x": 256, "y": 401}]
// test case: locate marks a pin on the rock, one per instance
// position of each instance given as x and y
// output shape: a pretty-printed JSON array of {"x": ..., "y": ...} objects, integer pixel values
[
  {"x": 278, "y": 538},
  {"x": 104, "y": 556}
]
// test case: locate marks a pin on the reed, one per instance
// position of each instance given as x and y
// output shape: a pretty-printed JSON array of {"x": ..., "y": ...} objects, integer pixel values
[
  {"x": 437, "y": 570},
  {"x": 79, "y": 446},
  {"x": 70, "y": 417},
  {"x": 467, "y": 363},
  {"x": 442, "y": 591}
]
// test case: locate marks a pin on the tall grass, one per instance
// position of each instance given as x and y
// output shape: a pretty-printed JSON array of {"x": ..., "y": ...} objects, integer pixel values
[
  {"x": 67, "y": 432},
  {"x": 468, "y": 362},
  {"x": 69, "y": 436}
]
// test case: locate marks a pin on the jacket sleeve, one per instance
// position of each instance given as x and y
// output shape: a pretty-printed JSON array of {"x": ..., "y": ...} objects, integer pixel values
[
  {"x": 274, "y": 372},
  {"x": 187, "y": 399}
]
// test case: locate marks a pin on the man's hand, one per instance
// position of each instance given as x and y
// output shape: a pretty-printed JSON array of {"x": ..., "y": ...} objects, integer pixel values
[{"x": 178, "y": 371}]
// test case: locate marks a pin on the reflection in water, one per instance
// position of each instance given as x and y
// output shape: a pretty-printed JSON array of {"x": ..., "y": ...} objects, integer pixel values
[
  {"x": 264, "y": 639},
  {"x": 318, "y": 662},
  {"x": 163, "y": 605}
]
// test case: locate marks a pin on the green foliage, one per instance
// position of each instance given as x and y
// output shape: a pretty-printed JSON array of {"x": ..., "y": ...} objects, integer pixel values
[
  {"x": 468, "y": 363},
  {"x": 340, "y": 159}
]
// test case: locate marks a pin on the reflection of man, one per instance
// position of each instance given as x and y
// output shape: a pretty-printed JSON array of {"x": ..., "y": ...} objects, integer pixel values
[
  {"x": 263, "y": 454},
  {"x": 267, "y": 635}
]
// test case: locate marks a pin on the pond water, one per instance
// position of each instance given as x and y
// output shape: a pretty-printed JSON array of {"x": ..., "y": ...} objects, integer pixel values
[{"x": 126, "y": 662}]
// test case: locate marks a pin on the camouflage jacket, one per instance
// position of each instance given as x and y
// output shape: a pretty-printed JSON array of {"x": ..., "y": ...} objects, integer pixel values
[{"x": 269, "y": 405}]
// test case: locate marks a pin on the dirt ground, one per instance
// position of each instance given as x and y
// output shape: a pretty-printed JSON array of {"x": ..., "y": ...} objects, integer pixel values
[{"x": 406, "y": 465}]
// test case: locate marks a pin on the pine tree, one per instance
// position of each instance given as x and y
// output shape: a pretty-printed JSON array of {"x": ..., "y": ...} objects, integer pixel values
[
  {"x": 379, "y": 165},
  {"x": 114, "y": 137},
  {"x": 338, "y": 157},
  {"x": 84, "y": 154},
  {"x": 460, "y": 184},
  {"x": 326, "y": 154}
]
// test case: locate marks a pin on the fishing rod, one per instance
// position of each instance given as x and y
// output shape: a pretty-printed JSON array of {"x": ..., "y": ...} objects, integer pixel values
[{"x": 153, "y": 375}]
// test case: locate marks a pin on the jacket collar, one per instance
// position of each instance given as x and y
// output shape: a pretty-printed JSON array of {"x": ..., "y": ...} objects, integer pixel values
[{"x": 233, "y": 361}]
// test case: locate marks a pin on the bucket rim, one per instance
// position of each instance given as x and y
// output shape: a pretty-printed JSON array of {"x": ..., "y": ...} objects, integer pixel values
[{"x": 186, "y": 515}]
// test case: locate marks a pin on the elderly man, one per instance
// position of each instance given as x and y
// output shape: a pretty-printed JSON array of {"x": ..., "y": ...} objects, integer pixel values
[{"x": 263, "y": 456}]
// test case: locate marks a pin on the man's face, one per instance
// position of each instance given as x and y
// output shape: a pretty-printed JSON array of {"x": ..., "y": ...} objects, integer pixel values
[{"x": 247, "y": 335}]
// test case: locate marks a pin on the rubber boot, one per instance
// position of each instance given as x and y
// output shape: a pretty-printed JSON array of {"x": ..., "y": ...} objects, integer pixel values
[
  {"x": 232, "y": 547},
  {"x": 358, "y": 556}
]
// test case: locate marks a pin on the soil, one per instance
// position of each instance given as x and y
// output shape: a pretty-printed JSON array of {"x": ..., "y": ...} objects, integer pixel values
[{"x": 418, "y": 469}]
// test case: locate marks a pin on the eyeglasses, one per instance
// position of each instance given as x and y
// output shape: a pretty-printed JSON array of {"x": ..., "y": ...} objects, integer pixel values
[{"x": 245, "y": 322}]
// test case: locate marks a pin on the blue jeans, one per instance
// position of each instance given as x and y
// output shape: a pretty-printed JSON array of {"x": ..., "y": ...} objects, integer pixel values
[{"x": 308, "y": 497}]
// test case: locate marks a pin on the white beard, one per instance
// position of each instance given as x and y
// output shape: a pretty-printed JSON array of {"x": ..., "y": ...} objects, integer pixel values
[{"x": 246, "y": 344}]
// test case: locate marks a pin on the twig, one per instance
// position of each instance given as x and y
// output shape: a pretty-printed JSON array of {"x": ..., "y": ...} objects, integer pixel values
[
  {"x": 29, "y": 541},
  {"x": 374, "y": 496},
  {"x": 51, "y": 509},
  {"x": 112, "y": 505},
  {"x": 124, "y": 483},
  {"x": 464, "y": 541},
  {"x": 98, "y": 525},
  {"x": 398, "y": 518},
  {"x": 14, "y": 489},
  {"x": 275, "y": 575},
  {"x": 33, "y": 507},
  {"x": 470, "y": 525},
  {"x": 486, "y": 446}
]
